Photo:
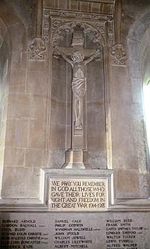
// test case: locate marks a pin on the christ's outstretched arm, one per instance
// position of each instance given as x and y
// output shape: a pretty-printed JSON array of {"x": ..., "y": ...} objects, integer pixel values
[
  {"x": 97, "y": 53},
  {"x": 64, "y": 55}
]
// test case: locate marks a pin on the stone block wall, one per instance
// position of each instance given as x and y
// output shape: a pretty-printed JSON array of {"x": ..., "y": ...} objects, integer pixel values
[{"x": 32, "y": 107}]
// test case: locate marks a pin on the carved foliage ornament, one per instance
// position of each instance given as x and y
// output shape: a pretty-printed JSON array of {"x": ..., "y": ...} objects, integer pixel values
[
  {"x": 118, "y": 55},
  {"x": 60, "y": 27},
  {"x": 38, "y": 46},
  {"x": 37, "y": 49}
]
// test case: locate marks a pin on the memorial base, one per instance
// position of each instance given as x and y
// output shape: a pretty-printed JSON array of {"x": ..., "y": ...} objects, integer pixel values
[
  {"x": 74, "y": 159},
  {"x": 78, "y": 212}
]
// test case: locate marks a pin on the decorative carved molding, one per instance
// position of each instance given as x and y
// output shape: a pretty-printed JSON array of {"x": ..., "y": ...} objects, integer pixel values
[
  {"x": 96, "y": 30},
  {"x": 39, "y": 17},
  {"x": 79, "y": 15},
  {"x": 56, "y": 22},
  {"x": 99, "y": 7},
  {"x": 110, "y": 30},
  {"x": 118, "y": 52},
  {"x": 37, "y": 49},
  {"x": 3, "y": 31},
  {"x": 118, "y": 55},
  {"x": 46, "y": 25}
]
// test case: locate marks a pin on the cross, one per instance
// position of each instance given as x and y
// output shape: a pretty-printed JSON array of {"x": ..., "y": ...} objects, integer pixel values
[{"x": 78, "y": 57}]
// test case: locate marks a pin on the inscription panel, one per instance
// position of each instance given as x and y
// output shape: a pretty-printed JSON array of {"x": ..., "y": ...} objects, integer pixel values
[
  {"x": 24, "y": 231},
  {"x": 75, "y": 230},
  {"x": 78, "y": 194}
]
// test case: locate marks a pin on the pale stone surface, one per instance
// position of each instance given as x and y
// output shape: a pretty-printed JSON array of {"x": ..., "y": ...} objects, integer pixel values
[
  {"x": 35, "y": 158},
  {"x": 14, "y": 157},
  {"x": 17, "y": 133},
  {"x": 37, "y": 83},
  {"x": 127, "y": 183},
  {"x": 23, "y": 182},
  {"x": 17, "y": 82},
  {"x": 2, "y": 151},
  {"x": 36, "y": 98},
  {"x": 19, "y": 106},
  {"x": 38, "y": 135}
]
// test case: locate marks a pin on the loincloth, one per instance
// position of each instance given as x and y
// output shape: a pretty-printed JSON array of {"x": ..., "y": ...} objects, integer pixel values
[{"x": 79, "y": 87}]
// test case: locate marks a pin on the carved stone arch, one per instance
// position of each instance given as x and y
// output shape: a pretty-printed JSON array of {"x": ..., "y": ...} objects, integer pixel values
[
  {"x": 4, "y": 55},
  {"x": 4, "y": 52},
  {"x": 98, "y": 32},
  {"x": 16, "y": 31},
  {"x": 5, "y": 47},
  {"x": 134, "y": 40},
  {"x": 60, "y": 26},
  {"x": 136, "y": 51},
  {"x": 3, "y": 31}
]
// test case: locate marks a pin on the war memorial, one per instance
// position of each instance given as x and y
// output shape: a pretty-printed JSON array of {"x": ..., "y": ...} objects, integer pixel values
[{"x": 74, "y": 154}]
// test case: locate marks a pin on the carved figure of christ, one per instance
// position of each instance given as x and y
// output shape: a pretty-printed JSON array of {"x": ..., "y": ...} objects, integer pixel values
[{"x": 79, "y": 81}]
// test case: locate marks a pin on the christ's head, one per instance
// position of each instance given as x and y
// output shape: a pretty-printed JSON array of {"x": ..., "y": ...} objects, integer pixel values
[{"x": 77, "y": 57}]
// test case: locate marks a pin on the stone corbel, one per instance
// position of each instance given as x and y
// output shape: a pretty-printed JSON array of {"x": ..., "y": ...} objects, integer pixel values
[
  {"x": 118, "y": 52},
  {"x": 37, "y": 48}
]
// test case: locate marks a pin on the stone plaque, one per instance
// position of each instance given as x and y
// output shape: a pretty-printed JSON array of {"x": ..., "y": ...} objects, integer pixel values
[{"x": 81, "y": 194}]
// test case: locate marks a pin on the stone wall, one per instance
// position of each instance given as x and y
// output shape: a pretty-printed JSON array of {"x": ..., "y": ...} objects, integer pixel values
[{"x": 33, "y": 128}]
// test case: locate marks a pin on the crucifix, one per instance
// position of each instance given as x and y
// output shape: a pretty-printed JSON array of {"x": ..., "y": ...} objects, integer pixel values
[{"x": 78, "y": 57}]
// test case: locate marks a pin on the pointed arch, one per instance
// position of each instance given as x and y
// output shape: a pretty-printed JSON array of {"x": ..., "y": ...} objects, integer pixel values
[{"x": 137, "y": 44}]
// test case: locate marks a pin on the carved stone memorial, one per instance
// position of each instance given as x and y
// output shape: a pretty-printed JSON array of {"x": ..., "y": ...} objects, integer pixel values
[{"x": 73, "y": 148}]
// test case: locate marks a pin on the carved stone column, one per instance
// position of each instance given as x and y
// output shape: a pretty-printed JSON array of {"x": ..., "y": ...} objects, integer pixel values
[
  {"x": 37, "y": 47},
  {"x": 118, "y": 52}
]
